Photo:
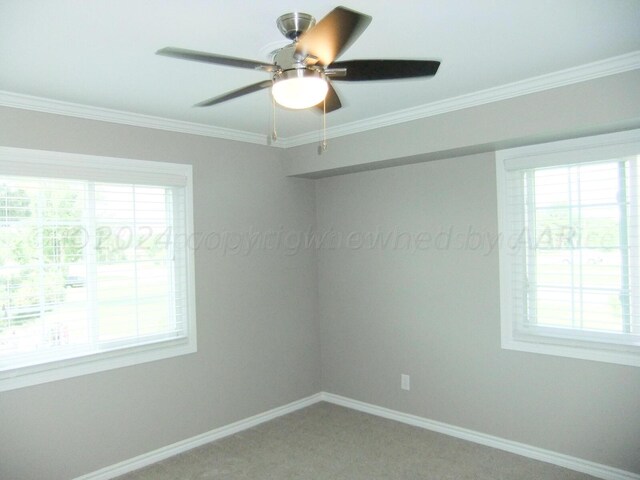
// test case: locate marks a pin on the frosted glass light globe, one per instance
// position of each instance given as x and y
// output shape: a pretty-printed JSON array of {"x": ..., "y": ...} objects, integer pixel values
[{"x": 299, "y": 88}]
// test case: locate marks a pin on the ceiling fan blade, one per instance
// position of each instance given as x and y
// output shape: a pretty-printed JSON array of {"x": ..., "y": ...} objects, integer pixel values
[
  {"x": 235, "y": 93},
  {"x": 362, "y": 70},
  {"x": 331, "y": 101},
  {"x": 332, "y": 35},
  {"x": 215, "y": 59}
]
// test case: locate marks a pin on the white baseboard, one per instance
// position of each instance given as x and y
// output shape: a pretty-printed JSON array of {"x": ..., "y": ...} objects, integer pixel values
[
  {"x": 573, "y": 463},
  {"x": 163, "y": 453},
  {"x": 585, "y": 466}
]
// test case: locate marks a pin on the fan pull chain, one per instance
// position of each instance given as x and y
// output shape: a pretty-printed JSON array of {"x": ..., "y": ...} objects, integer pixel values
[
  {"x": 274, "y": 133},
  {"x": 324, "y": 124},
  {"x": 323, "y": 145}
]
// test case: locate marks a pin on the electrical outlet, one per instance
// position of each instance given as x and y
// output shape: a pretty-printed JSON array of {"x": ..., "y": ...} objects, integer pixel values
[{"x": 405, "y": 382}]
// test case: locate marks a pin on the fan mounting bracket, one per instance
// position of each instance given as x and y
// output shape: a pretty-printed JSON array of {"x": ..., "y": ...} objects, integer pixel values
[{"x": 335, "y": 72}]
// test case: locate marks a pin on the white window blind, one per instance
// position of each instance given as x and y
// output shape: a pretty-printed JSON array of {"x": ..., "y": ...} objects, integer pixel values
[
  {"x": 570, "y": 257},
  {"x": 95, "y": 270}
]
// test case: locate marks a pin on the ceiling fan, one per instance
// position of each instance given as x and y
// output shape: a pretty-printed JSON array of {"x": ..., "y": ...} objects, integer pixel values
[{"x": 302, "y": 72}]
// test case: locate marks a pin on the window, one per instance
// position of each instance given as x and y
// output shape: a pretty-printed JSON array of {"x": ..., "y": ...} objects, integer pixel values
[
  {"x": 570, "y": 248},
  {"x": 95, "y": 269}
]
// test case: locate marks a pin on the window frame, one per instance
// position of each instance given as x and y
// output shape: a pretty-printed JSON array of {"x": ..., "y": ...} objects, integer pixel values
[
  {"x": 565, "y": 342},
  {"x": 26, "y": 162}
]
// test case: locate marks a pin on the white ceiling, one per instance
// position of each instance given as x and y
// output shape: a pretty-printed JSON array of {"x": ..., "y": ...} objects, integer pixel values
[{"x": 101, "y": 53}]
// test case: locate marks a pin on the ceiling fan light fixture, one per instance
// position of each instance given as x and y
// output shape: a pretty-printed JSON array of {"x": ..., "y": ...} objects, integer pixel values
[
  {"x": 299, "y": 88},
  {"x": 303, "y": 71}
]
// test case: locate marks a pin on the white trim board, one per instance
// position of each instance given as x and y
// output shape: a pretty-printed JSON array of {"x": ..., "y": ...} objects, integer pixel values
[
  {"x": 163, "y": 453},
  {"x": 589, "y": 71},
  {"x": 579, "y": 465},
  {"x": 585, "y": 466}
]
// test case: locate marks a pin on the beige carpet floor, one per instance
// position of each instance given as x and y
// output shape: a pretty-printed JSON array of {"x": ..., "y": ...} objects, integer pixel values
[{"x": 325, "y": 441}]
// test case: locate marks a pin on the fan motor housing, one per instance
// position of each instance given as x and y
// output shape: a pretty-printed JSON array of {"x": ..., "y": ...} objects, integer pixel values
[{"x": 286, "y": 58}]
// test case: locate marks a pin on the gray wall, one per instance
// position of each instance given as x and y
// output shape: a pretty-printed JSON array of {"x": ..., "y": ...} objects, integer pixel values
[
  {"x": 257, "y": 344},
  {"x": 434, "y": 314}
]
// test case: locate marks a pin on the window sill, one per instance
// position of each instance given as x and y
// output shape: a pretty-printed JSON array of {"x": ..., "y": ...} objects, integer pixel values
[
  {"x": 573, "y": 349},
  {"x": 73, "y": 367}
]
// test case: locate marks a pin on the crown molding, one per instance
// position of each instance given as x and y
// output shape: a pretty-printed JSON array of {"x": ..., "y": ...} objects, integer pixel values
[
  {"x": 610, "y": 66},
  {"x": 39, "y": 104},
  {"x": 582, "y": 73}
]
